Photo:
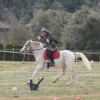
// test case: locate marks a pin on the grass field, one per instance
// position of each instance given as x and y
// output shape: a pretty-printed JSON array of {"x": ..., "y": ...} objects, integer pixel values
[{"x": 16, "y": 74}]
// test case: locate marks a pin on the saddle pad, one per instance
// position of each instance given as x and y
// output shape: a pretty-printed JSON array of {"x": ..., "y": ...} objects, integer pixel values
[{"x": 56, "y": 55}]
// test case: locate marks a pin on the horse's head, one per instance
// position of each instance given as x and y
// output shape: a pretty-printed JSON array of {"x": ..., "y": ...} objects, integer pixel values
[
  {"x": 31, "y": 45},
  {"x": 26, "y": 46}
]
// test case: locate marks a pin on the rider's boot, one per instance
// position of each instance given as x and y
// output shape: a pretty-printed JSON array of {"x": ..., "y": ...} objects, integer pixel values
[{"x": 49, "y": 63}]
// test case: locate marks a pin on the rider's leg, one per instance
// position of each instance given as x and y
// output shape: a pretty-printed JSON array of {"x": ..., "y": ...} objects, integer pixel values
[{"x": 50, "y": 56}]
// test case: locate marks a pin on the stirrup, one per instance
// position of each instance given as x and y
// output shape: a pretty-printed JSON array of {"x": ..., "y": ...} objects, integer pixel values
[
  {"x": 47, "y": 65},
  {"x": 50, "y": 64}
]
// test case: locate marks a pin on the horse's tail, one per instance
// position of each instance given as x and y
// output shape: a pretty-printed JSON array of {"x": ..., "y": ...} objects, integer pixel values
[{"x": 84, "y": 59}]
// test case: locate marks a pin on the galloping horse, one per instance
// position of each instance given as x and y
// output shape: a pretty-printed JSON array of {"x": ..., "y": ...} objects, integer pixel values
[{"x": 66, "y": 59}]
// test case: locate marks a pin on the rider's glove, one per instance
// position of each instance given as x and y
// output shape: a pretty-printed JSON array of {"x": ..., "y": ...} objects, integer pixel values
[
  {"x": 47, "y": 40},
  {"x": 38, "y": 37}
]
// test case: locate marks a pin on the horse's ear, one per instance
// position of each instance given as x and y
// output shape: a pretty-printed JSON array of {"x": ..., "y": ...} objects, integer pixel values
[{"x": 31, "y": 40}]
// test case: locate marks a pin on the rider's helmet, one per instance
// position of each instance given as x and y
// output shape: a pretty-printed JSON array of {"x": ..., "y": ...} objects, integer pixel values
[{"x": 44, "y": 31}]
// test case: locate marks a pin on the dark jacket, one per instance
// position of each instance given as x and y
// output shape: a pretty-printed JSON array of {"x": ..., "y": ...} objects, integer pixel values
[{"x": 52, "y": 44}]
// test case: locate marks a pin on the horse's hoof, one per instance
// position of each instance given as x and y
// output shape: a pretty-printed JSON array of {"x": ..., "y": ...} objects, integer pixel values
[
  {"x": 39, "y": 78},
  {"x": 54, "y": 81},
  {"x": 68, "y": 84},
  {"x": 28, "y": 82}
]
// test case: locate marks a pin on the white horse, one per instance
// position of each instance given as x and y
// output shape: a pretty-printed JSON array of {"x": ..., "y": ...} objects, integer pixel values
[{"x": 66, "y": 60}]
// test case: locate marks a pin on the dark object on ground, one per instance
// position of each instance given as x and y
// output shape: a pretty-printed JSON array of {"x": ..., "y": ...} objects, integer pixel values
[{"x": 34, "y": 86}]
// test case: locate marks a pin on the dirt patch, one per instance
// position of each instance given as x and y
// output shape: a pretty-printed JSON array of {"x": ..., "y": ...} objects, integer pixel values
[
  {"x": 88, "y": 85},
  {"x": 51, "y": 97}
]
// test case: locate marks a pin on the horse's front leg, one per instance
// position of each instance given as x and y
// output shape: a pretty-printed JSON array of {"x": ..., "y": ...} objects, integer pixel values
[{"x": 38, "y": 67}]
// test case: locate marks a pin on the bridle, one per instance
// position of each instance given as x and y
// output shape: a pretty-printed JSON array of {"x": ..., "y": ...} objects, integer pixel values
[
  {"x": 26, "y": 45},
  {"x": 31, "y": 48}
]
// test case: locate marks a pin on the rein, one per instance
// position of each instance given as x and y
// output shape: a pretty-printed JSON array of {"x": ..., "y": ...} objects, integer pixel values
[
  {"x": 37, "y": 49},
  {"x": 34, "y": 50}
]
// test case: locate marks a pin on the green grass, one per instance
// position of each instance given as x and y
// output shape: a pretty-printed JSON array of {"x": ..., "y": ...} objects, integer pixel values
[{"x": 16, "y": 74}]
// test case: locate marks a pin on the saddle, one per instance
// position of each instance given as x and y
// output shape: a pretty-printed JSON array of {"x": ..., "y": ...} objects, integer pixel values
[{"x": 56, "y": 55}]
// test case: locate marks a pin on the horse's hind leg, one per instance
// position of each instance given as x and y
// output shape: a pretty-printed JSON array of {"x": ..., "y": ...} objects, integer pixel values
[
  {"x": 72, "y": 77},
  {"x": 61, "y": 74}
]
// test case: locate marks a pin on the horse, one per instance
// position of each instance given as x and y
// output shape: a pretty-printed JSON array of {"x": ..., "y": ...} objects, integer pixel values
[{"x": 66, "y": 59}]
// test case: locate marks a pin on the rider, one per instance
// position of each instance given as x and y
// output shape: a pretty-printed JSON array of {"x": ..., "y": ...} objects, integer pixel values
[{"x": 50, "y": 43}]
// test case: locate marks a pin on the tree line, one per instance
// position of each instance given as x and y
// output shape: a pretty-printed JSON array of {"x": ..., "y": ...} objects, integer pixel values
[
  {"x": 24, "y": 9},
  {"x": 76, "y": 31},
  {"x": 75, "y": 23}
]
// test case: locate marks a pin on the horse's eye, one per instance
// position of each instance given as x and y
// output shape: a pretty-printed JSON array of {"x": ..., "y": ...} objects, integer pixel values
[{"x": 25, "y": 45}]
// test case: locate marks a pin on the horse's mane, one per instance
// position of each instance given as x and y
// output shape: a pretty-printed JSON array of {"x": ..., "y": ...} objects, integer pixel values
[{"x": 38, "y": 43}]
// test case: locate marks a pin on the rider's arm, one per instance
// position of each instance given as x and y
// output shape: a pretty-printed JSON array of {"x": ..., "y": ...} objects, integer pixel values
[
  {"x": 51, "y": 38},
  {"x": 42, "y": 38}
]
